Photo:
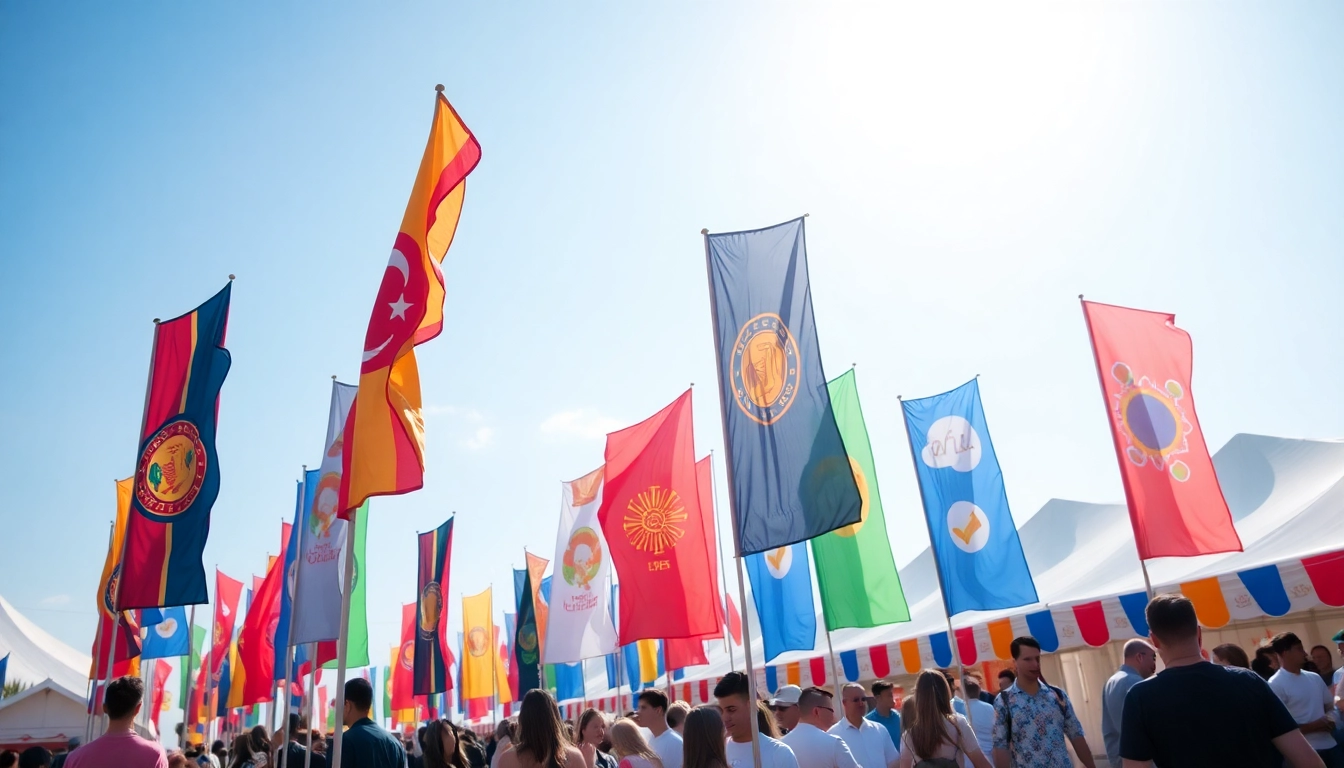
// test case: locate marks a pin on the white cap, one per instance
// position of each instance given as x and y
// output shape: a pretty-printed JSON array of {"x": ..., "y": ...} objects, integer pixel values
[{"x": 787, "y": 695}]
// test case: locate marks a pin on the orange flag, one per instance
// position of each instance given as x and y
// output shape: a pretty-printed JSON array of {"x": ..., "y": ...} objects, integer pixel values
[
  {"x": 536, "y": 571},
  {"x": 384, "y": 434}
]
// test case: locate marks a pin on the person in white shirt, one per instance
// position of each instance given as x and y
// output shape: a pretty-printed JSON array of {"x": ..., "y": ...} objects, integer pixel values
[
  {"x": 734, "y": 699},
  {"x": 652, "y": 714},
  {"x": 811, "y": 744},
  {"x": 869, "y": 742},
  {"x": 1306, "y": 696},
  {"x": 981, "y": 716}
]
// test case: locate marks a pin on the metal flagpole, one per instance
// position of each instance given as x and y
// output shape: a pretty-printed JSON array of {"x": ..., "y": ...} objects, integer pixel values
[
  {"x": 494, "y": 662},
  {"x": 284, "y": 696},
  {"x": 312, "y": 705},
  {"x": 830, "y": 655},
  {"x": 732, "y": 519},
  {"x": 289, "y": 631},
  {"x": 723, "y": 572},
  {"x": 342, "y": 641},
  {"x": 620, "y": 678}
]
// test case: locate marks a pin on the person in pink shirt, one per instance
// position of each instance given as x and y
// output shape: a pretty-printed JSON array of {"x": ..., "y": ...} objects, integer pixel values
[{"x": 121, "y": 746}]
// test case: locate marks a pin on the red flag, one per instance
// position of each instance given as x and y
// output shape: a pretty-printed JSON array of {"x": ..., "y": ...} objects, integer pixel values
[
  {"x": 256, "y": 641},
  {"x": 477, "y": 708},
  {"x": 734, "y": 621},
  {"x": 680, "y": 653},
  {"x": 403, "y": 675},
  {"x": 654, "y": 528},
  {"x": 227, "y": 591},
  {"x": 1144, "y": 362},
  {"x": 161, "y": 672}
]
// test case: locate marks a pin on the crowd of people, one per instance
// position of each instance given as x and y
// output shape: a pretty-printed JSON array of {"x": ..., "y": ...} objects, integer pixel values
[{"x": 1226, "y": 709}]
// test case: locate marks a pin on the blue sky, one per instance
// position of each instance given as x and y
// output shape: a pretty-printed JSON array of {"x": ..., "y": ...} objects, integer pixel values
[{"x": 969, "y": 170}]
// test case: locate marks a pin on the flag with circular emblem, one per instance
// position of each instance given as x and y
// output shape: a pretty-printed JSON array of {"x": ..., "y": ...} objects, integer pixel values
[
  {"x": 431, "y": 673},
  {"x": 479, "y": 657},
  {"x": 403, "y": 667},
  {"x": 176, "y": 470},
  {"x": 384, "y": 433},
  {"x": 652, "y": 519}
]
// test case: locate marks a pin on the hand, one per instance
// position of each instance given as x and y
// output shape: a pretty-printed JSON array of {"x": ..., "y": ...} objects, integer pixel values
[{"x": 589, "y": 754}]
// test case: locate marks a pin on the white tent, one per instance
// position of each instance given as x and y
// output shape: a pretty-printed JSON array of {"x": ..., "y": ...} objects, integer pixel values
[
  {"x": 46, "y": 714},
  {"x": 54, "y": 708},
  {"x": 36, "y": 655}
]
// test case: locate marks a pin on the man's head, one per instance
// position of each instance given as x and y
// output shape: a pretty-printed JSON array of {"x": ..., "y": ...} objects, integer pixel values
[
  {"x": 1338, "y": 640},
  {"x": 1006, "y": 679},
  {"x": 297, "y": 725},
  {"x": 884, "y": 695},
  {"x": 817, "y": 707},
  {"x": 652, "y": 712},
  {"x": 1027, "y": 657},
  {"x": 735, "y": 706},
  {"x": 785, "y": 706},
  {"x": 35, "y": 757},
  {"x": 123, "y": 697},
  {"x": 1324, "y": 660},
  {"x": 855, "y": 702},
  {"x": 8, "y": 758},
  {"x": 358, "y": 700},
  {"x": 1141, "y": 658},
  {"x": 1173, "y": 627},
  {"x": 972, "y": 688},
  {"x": 1289, "y": 649},
  {"x": 676, "y": 715},
  {"x": 218, "y": 749}
]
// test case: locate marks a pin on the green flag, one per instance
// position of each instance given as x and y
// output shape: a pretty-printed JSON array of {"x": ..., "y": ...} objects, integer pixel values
[
  {"x": 387, "y": 692},
  {"x": 357, "y": 634},
  {"x": 856, "y": 573},
  {"x": 198, "y": 644}
]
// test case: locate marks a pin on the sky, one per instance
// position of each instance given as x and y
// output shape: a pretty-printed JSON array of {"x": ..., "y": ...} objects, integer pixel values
[{"x": 968, "y": 171}]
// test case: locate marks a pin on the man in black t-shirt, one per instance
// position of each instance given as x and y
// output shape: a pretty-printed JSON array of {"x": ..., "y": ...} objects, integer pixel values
[{"x": 1195, "y": 713}]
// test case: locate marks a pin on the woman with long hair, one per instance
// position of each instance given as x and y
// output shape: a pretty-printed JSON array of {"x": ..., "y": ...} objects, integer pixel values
[
  {"x": 240, "y": 755},
  {"x": 629, "y": 746},
  {"x": 765, "y": 721},
  {"x": 592, "y": 732},
  {"x": 539, "y": 738},
  {"x": 703, "y": 741},
  {"x": 938, "y": 737},
  {"x": 443, "y": 748}
]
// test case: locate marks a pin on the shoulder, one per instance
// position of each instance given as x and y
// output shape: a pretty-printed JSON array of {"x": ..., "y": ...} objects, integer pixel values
[{"x": 574, "y": 758}]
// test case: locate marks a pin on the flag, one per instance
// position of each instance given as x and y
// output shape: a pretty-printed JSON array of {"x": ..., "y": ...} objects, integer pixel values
[
  {"x": 503, "y": 693},
  {"x": 734, "y": 620},
  {"x": 791, "y": 475},
  {"x": 580, "y": 626},
  {"x": 357, "y": 631},
  {"x": 478, "y": 674},
  {"x": 566, "y": 679},
  {"x": 157, "y": 703},
  {"x": 781, "y": 587},
  {"x": 4, "y": 670},
  {"x": 177, "y": 471},
  {"x": 256, "y": 641},
  {"x": 320, "y": 576},
  {"x": 536, "y": 569},
  {"x": 431, "y": 619},
  {"x": 971, "y": 530},
  {"x": 385, "y": 429},
  {"x": 525, "y": 639},
  {"x": 1144, "y": 362},
  {"x": 168, "y": 636},
  {"x": 127, "y": 633},
  {"x": 680, "y": 653},
  {"x": 506, "y": 649},
  {"x": 684, "y": 652},
  {"x": 387, "y": 684},
  {"x": 227, "y": 591},
  {"x": 284, "y": 660},
  {"x": 856, "y": 574},
  {"x": 652, "y": 520},
  {"x": 192, "y": 663},
  {"x": 403, "y": 674}
]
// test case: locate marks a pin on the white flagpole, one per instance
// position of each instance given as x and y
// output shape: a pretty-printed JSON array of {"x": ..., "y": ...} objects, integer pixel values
[
  {"x": 723, "y": 572},
  {"x": 732, "y": 519},
  {"x": 341, "y": 643},
  {"x": 284, "y": 697},
  {"x": 494, "y": 662},
  {"x": 312, "y": 705},
  {"x": 289, "y": 632}
]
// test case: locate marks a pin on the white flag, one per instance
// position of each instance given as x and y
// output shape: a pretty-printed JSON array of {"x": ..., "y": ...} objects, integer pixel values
[
  {"x": 580, "y": 625},
  {"x": 319, "y": 567}
]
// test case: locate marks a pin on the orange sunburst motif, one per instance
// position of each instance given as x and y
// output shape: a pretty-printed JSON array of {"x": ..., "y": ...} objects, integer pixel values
[{"x": 653, "y": 520}]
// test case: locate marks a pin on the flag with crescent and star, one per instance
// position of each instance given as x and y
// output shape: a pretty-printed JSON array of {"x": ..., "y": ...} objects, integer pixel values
[
  {"x": 384, "y": 433},
  {"x": 177, "y": 471}
]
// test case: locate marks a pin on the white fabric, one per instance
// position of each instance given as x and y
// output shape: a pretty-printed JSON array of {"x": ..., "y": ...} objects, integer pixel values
[
  {"x": 668, "y": 746},
  {"x": 580, "y": 625},
  {"x": 816, "y": 748},
  {"x": 960, "y": 732},
  {"x": 774, "y": 754},
  {"x": 981, "y": 721},
  {"x": 869, "y": 743},
  {"x": 36, "y": 656},
  {"x": 319, "y": 567},
  {"x": 1307, "y": 699}
]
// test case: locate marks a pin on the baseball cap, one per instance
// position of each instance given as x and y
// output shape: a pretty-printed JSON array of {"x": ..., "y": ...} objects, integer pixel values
[
  {"x": 787, "y": 695},
  {"x": 1339, "y": 637}
]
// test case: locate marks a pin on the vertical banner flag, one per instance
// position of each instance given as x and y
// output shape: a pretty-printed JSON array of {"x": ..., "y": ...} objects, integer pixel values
[
  {"x": 536, "y": 570},
  {"x": 4, "y": 668},
  {"x": 403, "y": 667},
  {"x": 971, "y": 529},
  {"x": 431, "y": 618},
  {"x": 283, "y": 657},
  {"x": 781, "y": 587},
  {"x": 680, "y": 653},
  {"x": 525, "y": 650},
  {"x": 1144, "y": 363},
  {"x": 506, "y": 649},
  {"x": 161, "y": 671},
  {"x": 384, "y": 435},
  {"x": 791, "y": 475},
  {"x": 478, "y": 674},
  {"x": 357, "y": 631},
  {"x": 503, "y": 693},
  {"x": 195, "y": 657},
  {"x": 177, "y": 471},
  {"x": 387, "y": 685},
  {"x": 168, "y": 636},
  {"x": 651, "y": 516},
  {"x": 227, "y": 592},
  {"x": 579, "y": 625},
  {"x": 126, "y": 633},
  {"x": 256, "y": 642},
  {"x": 856, "y": 573}
]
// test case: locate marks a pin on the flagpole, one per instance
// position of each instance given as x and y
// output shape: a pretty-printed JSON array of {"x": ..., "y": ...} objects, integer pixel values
[
  {"x": 92, "y": 687},
  {"x": 186, "y": 672},
  {"x": 732, "y": 508},
  {"x": 343, "y": 641},
  {"x": 312, "y": 709},
  {"x": 723, "y": 571},
  {"x": 289, "y": 631},
  {"x": 830, "y": 656},
  {"x": 284, "y": 695},
  {"x": 494, "y": 662},
  {"x": 620, "y": 678}
]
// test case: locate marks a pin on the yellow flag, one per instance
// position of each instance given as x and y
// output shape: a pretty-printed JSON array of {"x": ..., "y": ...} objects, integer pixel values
[
  {"x": 238, "y": 678},
  {"x": 479, "y": 662}
]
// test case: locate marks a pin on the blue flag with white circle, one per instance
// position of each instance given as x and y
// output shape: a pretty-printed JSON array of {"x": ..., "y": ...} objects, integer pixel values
[
  {"x": 164, "y": 633},
  {"x": 781, "y": 588},
  {"x": 971, "y": 529}
]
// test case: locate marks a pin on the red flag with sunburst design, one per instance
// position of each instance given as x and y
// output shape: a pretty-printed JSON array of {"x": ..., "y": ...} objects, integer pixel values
[{"x": 653, "y": 522}]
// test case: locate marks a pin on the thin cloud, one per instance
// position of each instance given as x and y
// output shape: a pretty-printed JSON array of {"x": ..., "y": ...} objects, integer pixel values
[
  {"x": 56, "y": 600},
  {"x": 583, "y": 423},
  {"x": 479, "y": 439}
]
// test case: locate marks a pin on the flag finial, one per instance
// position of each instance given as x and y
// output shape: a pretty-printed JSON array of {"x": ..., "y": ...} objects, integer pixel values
[{"x": 439, "y": 88}]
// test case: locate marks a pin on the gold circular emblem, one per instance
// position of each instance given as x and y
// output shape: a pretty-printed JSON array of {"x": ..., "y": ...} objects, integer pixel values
[
  {"x": 862, "y": 483},
  {"x": 477, "y": 641},
  {"x": 653, "y": 520},
  {"x": 764, "y": 368},
  {"x": 431, "y": 604},
  {"x": 171, "y": 470}
]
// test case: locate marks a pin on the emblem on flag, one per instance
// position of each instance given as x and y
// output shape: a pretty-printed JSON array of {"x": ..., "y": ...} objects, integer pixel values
[
  {"x": 527, "y": 642},
  {"x": 431, "y": 604},
  {"x": 408, "y": 654},
  {"x": 653, "y": 520},
  {"x": 862, "y": 482},
  {"x": 110, "y": 591},
  {"x": 166, "y": 628},
  {"x": 171, "y": 471},
  {"x": 1152, "y": 421},
  {"x": 583, "y": 558},
  {"x": 779, "y": 561},
  {"x": 969, "y": 526},
  {"x": 764, "y": 368},
  {"x": 477, "y": 641}
]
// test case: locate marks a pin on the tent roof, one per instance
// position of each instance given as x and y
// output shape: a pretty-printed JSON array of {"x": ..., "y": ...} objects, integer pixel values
[{"x": 36, "y": 656}]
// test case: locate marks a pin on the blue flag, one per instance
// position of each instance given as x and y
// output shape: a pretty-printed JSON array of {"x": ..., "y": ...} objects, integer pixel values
[
  {"x": 975, "y": 543},
  {"x": 167, "y": 636},
  {"x": 791, "y": 475},
  {"x": 282, "y": 651},
  {"x": 4, "y": 670},
  {"x": 781, "y": 587}
]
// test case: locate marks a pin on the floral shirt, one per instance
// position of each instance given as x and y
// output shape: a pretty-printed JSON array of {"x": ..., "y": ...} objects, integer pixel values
[{"x": 1039, "y": 728}]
